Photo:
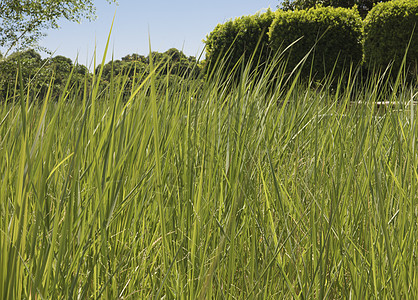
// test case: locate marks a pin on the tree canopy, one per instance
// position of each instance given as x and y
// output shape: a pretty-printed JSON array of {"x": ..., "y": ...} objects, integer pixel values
[
  {"x": 37, "y": 72},
  {"x": 363, "y": 6},
  {"x": 24, "y": 22}
]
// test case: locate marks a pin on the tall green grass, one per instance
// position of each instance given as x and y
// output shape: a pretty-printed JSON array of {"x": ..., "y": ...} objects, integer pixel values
[{"x": 212, "y": 189}]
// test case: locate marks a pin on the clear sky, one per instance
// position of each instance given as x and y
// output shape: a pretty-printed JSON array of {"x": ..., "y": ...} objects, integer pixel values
[{"x": 181, "y": 24}]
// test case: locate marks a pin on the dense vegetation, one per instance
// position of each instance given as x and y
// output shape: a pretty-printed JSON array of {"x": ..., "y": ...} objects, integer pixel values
[
  {"x": 37, "y": 72},
  {"x": 363, "y": 6},
  {"x": 149, "y": 178},
  {"x": 390, "y": 29},
  {"x": 334, "y": 35},
  {"x": 210, "y": 191},
  {"x": 241, "y": 40}
]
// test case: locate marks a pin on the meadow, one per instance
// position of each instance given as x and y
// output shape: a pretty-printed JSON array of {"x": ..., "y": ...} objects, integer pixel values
[{"x": 232, "y": 187}]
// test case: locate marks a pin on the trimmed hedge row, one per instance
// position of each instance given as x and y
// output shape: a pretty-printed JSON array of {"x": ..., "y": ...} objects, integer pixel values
[
  {"x": 388, "y": 29},
  {"x": 337, "y": 33},
  {"x": 239, "y": 37}
]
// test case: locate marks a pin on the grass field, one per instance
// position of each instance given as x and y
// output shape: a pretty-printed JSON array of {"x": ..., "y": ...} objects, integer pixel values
[{"x": 202, "y": 190}]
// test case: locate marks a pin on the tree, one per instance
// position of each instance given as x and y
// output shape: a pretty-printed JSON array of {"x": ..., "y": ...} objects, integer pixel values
[
  {"x": 23, "y": 22},
  {"x": 37, "y": 73},
  {"x": 363, "y": 6},
  {"x": 30, "y": 62}
]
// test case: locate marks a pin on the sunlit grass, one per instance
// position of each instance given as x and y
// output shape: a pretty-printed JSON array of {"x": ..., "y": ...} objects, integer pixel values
[{"x": 211, "y": 189}]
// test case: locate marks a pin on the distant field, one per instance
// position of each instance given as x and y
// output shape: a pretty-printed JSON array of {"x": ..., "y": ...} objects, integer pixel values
[{"x": 206, "y": 189}]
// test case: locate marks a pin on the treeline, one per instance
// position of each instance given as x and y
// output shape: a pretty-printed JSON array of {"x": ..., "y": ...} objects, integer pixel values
[
  {"x": 56, "y": 74},
  {"x": 38, "y": 75},
  {"x": 328, "y": 40},
  {"x": 334, "y": 37}
]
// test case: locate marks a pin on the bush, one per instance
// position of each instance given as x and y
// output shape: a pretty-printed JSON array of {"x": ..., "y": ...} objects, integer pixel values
[
  {"x": 388, "y": 30},
  {"x": 341, "y": 42},
  {"x": 363, "y": 6},
  {"x": 239, "y": 37}
]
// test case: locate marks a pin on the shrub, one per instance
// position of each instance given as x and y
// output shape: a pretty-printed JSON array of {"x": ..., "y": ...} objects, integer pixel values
[
  {"x": 339, "y": 31},
  {"x": 388, "y": 30},
  {"x": 239, "y": 37},
  {"x": 363, "y": 6}
]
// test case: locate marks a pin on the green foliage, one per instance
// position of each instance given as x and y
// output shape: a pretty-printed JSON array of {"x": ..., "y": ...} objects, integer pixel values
[
  {"x": 388, "y": 31},
  {"x": 23, "y": 23},
  {"x": 363, "y": 6},
  {"x": 336, "y": 34},
  {"x": 37, "y": 74},
  {"x": 179, "y": 64},
  {"x": 237, "y": 38},
  {"x": 135, "y": 68},
  {"x": 30, "y": 62},
  {"x": 172, "y": 62},
  {"x": 206, "y": 192}
]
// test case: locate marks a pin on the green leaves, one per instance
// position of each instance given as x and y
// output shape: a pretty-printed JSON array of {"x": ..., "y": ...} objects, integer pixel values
[
  {"x": 334, "y": 35},
  {"x": 37, "y": 74},
  {"x": 23, "y": 23},
  {"x": 209, "y": 191},
  {"x": 391, "y": 29},
  {"x": 363, "y": 6},
  {"x": 136, "y": 68},
  {"x": 243, "y": 36}
]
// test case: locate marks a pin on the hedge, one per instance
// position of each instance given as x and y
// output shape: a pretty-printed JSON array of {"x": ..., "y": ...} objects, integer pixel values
[
  {"x": 239, "y": 37},
  {"x": 388, "y": 30},
  {"x": 341, "y": 42}
]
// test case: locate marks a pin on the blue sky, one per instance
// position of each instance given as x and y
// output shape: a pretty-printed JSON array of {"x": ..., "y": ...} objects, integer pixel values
[{"x": 181, "y": 24}]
